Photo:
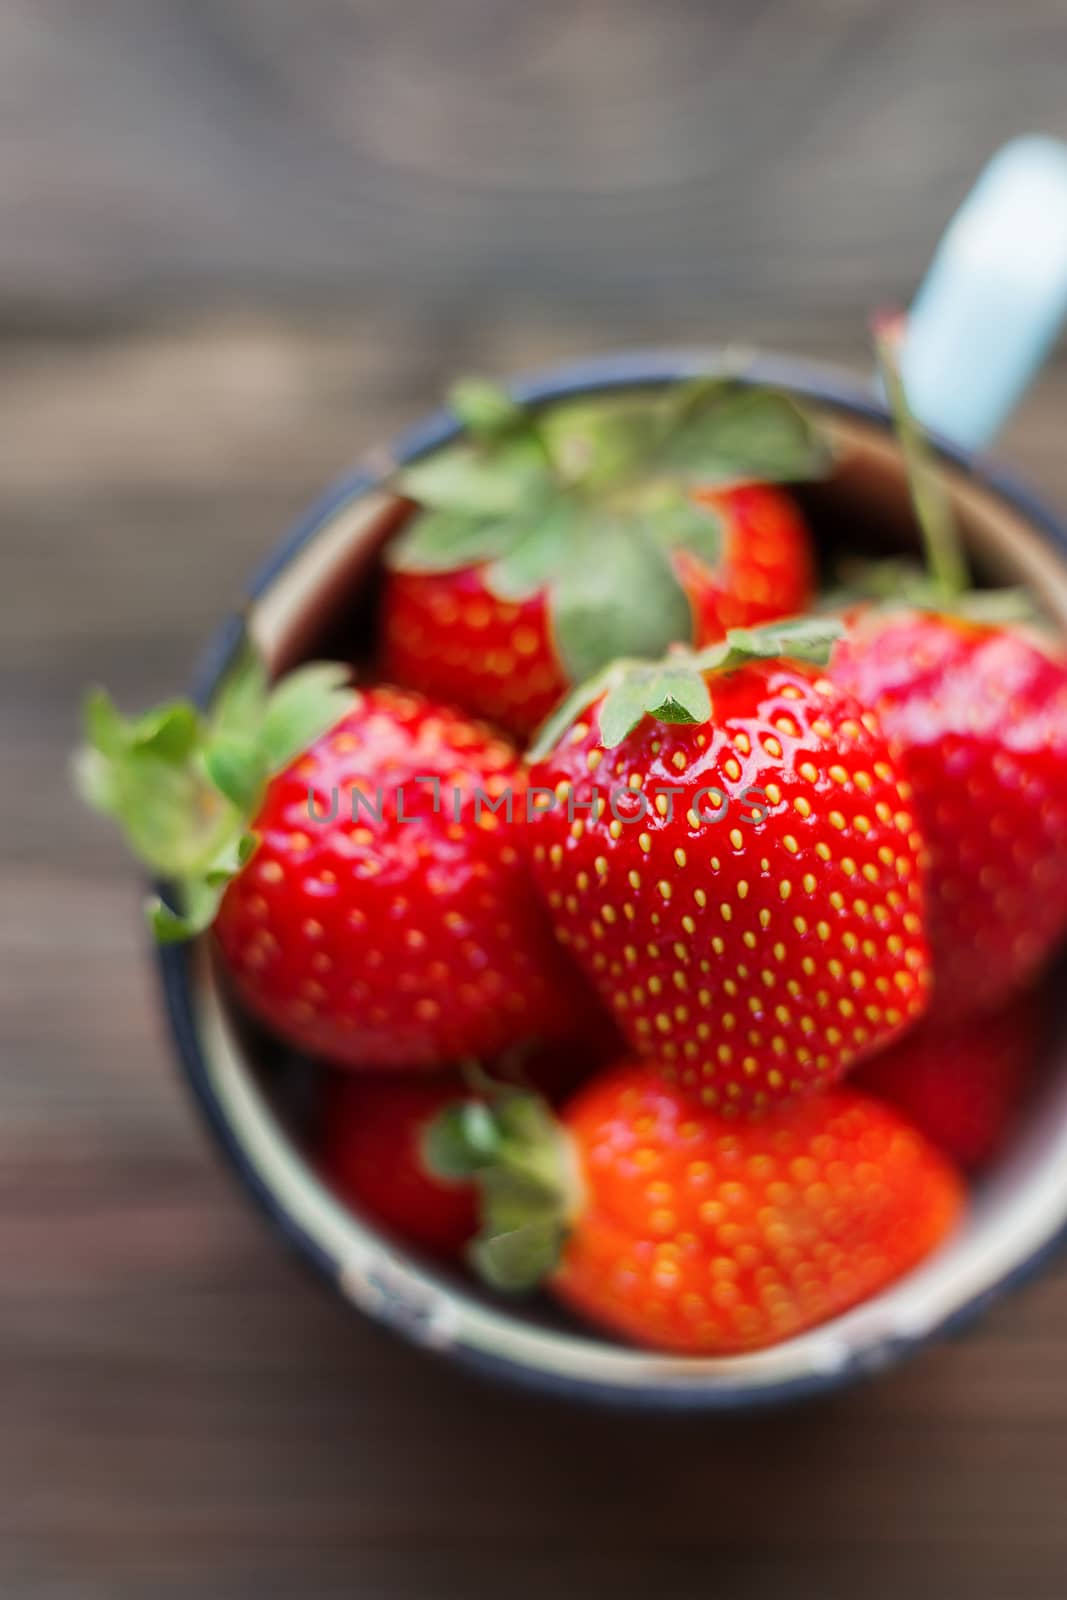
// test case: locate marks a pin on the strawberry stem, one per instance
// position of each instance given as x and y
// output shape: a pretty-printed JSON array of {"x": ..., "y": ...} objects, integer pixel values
[{"x": 943, "y": 549}]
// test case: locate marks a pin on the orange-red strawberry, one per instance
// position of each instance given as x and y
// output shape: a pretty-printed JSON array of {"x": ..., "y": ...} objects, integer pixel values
[
  {"x": 662, "y": 1222},
  {"x": 450, "y": 634},
  {"x": 371, "y": 1152},
  {"x": 962, "y": 1084},
  {"x": 728, "y": 851},
  {"x": 978, "y": 715},
  {"x": 550, "y": 544},
  {"x": 385, "y": 918}
]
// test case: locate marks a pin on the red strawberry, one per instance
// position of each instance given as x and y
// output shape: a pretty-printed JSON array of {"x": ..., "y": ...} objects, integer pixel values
[
  {"x": 374, "y": 1127},
  {"x": 371, "y": 1153},
  {"x": 386, "y": 918},
  {"x": 492, "y": 656},
  {"x": 659, "y": 1221},
  {"x": 978, "y": 715},
  {"x": 449, "y": 634},
  {"x": 731, "y": 857},
  {"x": 963, "y": 1084},
  {"x": 551, "y": 544}
]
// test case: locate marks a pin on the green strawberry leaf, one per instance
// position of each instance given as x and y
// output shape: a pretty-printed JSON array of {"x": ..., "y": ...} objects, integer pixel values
[
  {"x": 443, "y": 541},
  {"x": 175, "y": 927},
  {"x": 105, "y": 730},
  {"x": 677, "y": 694},
  {"x": 617, "y": 595},
  {"x": 599, "y": 443},
  {"x": 303, "y": 705},
  {"x": 200, "y": 894},
  {"x": 997, "y": 606},
  {"x": 622, "y": 709},
  {"x": 184, "y": 786},
  {"x": 720, "y": 430},
  {"x": 674, "y": 690},
  {"x": 518, "y": 1259},
  {"x": 168, "y": 733},
  {"x": 486, "y": 409},
  {"x": 892, "y": 584},
  {"x": 895, "y": 579},
  {"x": 235, "y": 854},
  {"x": 796, "y": 639},
  {"x": 242, "y": 697},
  {"x": 539, "y": 549},
  {"x": 518, "y": 1156},
  {"x": 237, "y": 768},
  {"x": 686, "y": 524},
  {"x": 461, "y": 1140},
  {"x": 671, "y": 692},
  {"x": 486, "y": 482}
]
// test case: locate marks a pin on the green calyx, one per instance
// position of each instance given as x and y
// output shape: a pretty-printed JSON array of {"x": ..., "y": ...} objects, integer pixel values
[
  {"x": 184, "y": 786},
  {"x": 674, "y": 689},
  {"x": 893, "y": 584},
  {"x": 586, "y": 501},
  {"x": 511, "y": 1146},
  {"x": 942, "y": 582}
]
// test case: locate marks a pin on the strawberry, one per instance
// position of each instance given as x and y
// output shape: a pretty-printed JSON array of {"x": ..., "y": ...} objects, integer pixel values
[
  {"x": 962, "y": 1084},
  {"x": 371, "y": 1154},
  {"x": 728, "y": 851},
  {"x": 977, "y": 711},
  {"x": 548, "y": 545},
  {"x": 450, "y": 632},
  {"x": 979, "y": 717},
  {"x": 385, "y": 918},
  {"x": 658, "y": 1220},
  {"x": 373, "y": 1128}
]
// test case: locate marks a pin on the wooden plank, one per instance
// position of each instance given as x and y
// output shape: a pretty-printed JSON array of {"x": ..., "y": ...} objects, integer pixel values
[{"x": 622, "y": 156}]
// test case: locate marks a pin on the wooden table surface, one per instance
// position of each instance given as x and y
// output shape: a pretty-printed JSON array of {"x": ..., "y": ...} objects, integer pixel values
[{"x": 234, "y": 251}]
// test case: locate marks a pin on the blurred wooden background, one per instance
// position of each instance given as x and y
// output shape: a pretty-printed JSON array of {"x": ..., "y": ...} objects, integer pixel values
[{"x": 239, "y": 241}]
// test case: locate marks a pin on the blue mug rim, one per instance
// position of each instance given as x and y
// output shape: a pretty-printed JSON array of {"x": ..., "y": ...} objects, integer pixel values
[{"x": 831, "y": 389}]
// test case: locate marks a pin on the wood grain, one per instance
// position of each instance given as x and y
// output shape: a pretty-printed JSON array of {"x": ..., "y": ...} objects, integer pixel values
[
  {"x": 619, "y": 155},
  {"x": 240, "y": 241}
]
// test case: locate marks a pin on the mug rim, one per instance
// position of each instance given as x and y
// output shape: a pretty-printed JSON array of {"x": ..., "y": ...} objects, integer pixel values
[{"x": 833, "y": 388}]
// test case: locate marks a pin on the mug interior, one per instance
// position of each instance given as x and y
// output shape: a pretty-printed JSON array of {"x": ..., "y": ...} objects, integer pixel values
[{"x": 322, "y": 594}]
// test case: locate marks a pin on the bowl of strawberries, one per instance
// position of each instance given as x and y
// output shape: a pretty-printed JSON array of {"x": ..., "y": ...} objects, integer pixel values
[{"x": 608, "y": 878}]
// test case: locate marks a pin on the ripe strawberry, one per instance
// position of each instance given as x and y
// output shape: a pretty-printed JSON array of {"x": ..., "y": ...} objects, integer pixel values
[
  {"x": 374, "y": 1126},
  {"x": 550, "y": 545},
  {"x": 978, "y": 715},
  {"x": 660, "y": 1221},
  {"x": 731, "y": 857},
  {"x": 449, "y": 633},
  {"x": 385, "y": 918},
  {"x": 963, "y": 1084},
  {"x": 371, "y": 1153}
]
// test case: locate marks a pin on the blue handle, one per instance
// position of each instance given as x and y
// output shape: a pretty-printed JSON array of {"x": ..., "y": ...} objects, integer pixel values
[{"x": 995, "y": 297}]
